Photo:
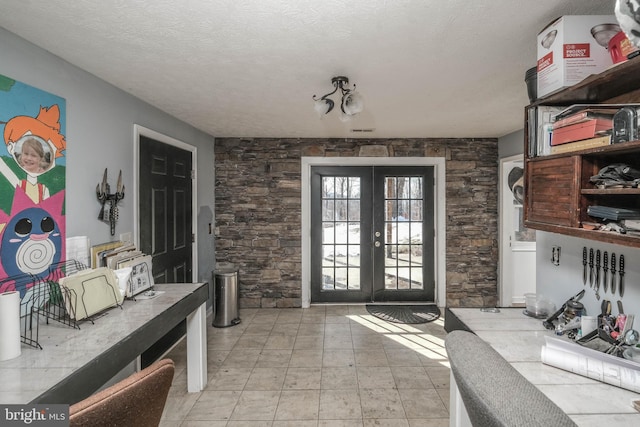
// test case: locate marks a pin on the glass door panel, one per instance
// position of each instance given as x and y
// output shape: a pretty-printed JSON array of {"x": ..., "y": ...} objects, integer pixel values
[
  {"x": 403, "y": 209},
  {"x": 341, "y": 260}
]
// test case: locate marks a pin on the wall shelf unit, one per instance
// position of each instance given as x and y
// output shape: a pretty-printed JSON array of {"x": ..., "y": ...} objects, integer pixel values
[{"x": 557, "y": 187}]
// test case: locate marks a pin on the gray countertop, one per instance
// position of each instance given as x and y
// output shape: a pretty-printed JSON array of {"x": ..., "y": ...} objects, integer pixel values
[
  {"x": 519, "y": 339},
  {"x": 71, "y": 360}
]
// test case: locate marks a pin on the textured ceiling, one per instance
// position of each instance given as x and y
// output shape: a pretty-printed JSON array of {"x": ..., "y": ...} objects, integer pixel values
[{"x": 249, "y": 68}]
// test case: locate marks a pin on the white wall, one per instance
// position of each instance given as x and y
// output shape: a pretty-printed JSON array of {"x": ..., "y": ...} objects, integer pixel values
[
  {"x": 563, "y": 281},
  {"x": 99, "y": 124}
]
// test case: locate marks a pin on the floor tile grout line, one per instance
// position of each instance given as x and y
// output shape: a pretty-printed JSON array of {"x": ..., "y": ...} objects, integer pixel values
[{"x": 291, "y": 350}]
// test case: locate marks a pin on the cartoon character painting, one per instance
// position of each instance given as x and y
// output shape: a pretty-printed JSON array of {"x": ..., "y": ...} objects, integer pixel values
[
  {"x": 32, "y": 237},
  {"x": 32, "y": 183}
]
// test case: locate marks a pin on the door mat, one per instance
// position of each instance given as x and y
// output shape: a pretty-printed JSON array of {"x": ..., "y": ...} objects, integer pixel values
[{"x": 405, "y": 313}]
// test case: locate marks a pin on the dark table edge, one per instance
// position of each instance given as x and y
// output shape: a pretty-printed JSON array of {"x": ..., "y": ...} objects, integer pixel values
[{"x": 453, "y": 323}]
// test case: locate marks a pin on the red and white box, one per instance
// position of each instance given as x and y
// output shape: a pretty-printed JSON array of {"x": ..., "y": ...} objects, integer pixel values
[{"x": 572, "y": 48}]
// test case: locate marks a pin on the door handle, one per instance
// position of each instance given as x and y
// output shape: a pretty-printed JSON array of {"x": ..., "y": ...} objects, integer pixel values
[
  {"x": 377, "y": 234},
  {"x": 377, "y": 244}
]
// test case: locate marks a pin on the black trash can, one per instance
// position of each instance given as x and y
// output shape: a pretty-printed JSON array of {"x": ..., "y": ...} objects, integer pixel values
[{"x": 225, "y": 299}]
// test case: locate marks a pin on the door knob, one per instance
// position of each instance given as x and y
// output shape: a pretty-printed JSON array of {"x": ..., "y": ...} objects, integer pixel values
[
  {"x": 377, "y": 234},
  {"x": 377, "y": 244}
]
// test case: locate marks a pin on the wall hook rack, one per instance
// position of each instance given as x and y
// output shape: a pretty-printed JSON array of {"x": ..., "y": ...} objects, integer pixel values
[{"x": 103, "y": 192}]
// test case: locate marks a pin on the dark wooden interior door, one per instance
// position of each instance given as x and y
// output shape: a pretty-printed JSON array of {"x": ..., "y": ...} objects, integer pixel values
[{"x": 166, "y": 231}]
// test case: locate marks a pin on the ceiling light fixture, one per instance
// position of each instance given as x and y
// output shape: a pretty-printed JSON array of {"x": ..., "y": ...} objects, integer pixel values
[{"x": 350, "y": 105}]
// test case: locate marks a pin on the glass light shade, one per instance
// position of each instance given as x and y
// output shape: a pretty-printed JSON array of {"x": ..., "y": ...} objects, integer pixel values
[
  {"x": 352, "y": 103},
  {"x": 323, "y": 106}
]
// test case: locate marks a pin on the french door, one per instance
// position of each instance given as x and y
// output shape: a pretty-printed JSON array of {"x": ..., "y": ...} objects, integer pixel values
[{"x": 372, "y": 234}]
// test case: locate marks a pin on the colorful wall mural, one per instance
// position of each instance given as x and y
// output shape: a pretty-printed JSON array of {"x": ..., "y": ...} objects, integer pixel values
[{"x": 32, "y": 184}]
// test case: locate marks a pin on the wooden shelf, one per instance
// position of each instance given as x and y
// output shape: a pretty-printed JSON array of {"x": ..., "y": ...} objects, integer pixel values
[
  {"x": 617, "y": 81},
  {"x": 558, "y": 191},
  {"x": 611, "y": 191},
  {"x": 601, "y": 236},
  {"x": 631, "y": 147}
]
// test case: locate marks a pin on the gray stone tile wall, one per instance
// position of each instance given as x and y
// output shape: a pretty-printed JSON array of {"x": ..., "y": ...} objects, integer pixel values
[{"x": 258, "y": 212}]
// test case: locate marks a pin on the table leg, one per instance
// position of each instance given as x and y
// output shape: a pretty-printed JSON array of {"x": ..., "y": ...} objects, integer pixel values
[
  {"x": 458, "y": 416},
  {"x": 197, "y": 349}
]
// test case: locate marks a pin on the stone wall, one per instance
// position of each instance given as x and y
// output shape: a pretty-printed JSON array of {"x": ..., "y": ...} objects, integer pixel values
[{"x": 258, "y": 212}]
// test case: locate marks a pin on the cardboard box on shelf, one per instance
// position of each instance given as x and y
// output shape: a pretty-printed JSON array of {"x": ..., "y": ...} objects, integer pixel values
[{"x": 571, "y": 48}]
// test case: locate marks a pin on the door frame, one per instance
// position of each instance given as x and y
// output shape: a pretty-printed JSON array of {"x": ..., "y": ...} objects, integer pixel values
[
  {"x": 506, "y": 297},
  {"x": 142, "y": 131},
  {"x": 439, "y": 221}
]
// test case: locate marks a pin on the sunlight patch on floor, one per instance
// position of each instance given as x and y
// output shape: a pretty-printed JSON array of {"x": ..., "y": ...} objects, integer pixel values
[{"x": 423, "y": 343}]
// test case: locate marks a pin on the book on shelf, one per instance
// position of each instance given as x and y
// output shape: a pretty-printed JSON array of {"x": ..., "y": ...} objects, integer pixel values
[
  {"x": 539, "y": 129},
  {"x": 581, "y": 130},
  {"x": 583, "y": 116},
  {"x": 583, "y": 144},
  {"x": 532, "y": 128},
  {"x": 609, "y": 109}
]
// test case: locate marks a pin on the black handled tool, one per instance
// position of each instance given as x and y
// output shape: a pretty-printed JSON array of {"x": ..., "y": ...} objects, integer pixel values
[
  {"x": 598, "y": 269},
  {"x": 584, "y": 266},
  {"x": 621, "y": 273},
  {"x": 605, "y": 269},
  {"x": 591, "y": 272},
  {"x": 613, "y": 272}
]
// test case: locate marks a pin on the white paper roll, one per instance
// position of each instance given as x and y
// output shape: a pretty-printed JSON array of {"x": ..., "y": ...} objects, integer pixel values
[{"x": 9, "y": 325}]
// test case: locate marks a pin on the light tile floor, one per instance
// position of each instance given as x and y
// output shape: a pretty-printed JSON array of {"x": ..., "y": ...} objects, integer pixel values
[{"x": 332, "y": 365}]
